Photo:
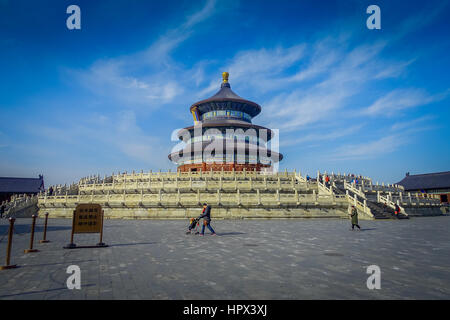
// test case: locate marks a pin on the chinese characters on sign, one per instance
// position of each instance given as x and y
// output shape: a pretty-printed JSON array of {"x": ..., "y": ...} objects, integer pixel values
[{"x": 88, "y": 218}]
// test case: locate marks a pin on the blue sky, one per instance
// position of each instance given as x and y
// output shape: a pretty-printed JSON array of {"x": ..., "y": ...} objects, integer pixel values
[{"x": 107, "y": 98}]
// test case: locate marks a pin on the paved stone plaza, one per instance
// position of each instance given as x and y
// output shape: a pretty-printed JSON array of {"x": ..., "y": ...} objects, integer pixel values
[{"x": 250, "y": 259}]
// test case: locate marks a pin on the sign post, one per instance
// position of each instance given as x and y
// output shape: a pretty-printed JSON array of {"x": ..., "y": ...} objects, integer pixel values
[{"x": 87, "y": 218}]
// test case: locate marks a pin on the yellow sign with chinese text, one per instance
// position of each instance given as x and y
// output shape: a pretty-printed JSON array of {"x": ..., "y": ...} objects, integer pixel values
[{"x": 88, "y": 218}]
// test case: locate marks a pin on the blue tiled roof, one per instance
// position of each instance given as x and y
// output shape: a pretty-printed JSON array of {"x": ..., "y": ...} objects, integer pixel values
[
  {"x": 438, "y": 180},
  {"x": 21, "y": 185}
]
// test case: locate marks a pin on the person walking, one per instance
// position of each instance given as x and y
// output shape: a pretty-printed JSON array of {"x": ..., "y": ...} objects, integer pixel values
[
  {"x": 354, "y": 217},
  {"x": 206, "y": 216},
  {"x": 397, "y": 210}
]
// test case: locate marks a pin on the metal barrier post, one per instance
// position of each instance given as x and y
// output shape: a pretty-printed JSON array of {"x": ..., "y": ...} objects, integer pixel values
[
  {"x": 8, "y": 250},
  {"x": 33, "y": 224},
  {"x": 44, "y": 240}
]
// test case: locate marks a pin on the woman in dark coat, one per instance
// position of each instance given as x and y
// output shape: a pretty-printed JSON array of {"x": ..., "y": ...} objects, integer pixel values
[{"x": 354, "y": 217}]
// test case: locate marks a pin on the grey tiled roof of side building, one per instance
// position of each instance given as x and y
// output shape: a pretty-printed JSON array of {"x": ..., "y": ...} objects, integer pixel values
[
  {"x": 21, "y": 185},
  {"x": 437, "y": 180}
]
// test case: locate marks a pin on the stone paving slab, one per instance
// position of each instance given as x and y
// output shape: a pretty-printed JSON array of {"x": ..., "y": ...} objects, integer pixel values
[{"x": 249, "y": 259}]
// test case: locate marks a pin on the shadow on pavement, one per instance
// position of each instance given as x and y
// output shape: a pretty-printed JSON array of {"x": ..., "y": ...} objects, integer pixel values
[
  {"x": 53, "y": 264},
  {"x": 130, "y": 244},
  {"x": 24, "y": 228},
  {"x": 41, "y": 291},
  {"x": 229, "y": 233}
]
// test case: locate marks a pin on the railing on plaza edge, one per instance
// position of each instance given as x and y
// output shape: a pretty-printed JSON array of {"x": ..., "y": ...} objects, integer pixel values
[
  {"x": 391, "y": 197},
  {"x": 18, "y": 203},
  {"x": 390, "y": 203},
  {"x": 352, "y": 188},
  {"x": 180, "y": 198},
  {"x": 249, "y": 184},
  {"x": 360, "y": 206},
  {"x": 200, "y": 173}
]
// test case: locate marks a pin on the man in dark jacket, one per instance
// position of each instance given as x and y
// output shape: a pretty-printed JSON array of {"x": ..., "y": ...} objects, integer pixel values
[{"x": 206, "y": 216}]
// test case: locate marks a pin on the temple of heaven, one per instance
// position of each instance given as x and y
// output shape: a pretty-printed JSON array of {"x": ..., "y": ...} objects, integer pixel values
[{"x": 223, "y": 136}]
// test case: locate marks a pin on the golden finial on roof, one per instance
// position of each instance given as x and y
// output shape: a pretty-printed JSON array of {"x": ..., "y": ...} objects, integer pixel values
[{"x": 225, "y": 77}]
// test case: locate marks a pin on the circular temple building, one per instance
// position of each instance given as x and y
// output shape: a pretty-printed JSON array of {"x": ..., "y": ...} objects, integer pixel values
[{"x": 223, "y": 136}]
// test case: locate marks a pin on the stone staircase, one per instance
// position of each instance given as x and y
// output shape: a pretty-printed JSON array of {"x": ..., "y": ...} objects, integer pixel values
[{"x": 381, "y": 199}]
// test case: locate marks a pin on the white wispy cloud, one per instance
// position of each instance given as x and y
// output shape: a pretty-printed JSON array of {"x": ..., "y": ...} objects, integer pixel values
[
  {"x": 149, "y": 78},
  {"x": 400, "y": 99},
  {"x": 368, "y": 150},
  {"x": 411, "y": 123},
  {"x": 322, "y": 136}
]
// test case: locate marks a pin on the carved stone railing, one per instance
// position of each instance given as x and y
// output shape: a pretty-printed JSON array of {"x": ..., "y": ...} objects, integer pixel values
[
  {"x": 360, "y": 206},
  {"x": 19, "y": 203},
  {"x": 191, "y": 199}
]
